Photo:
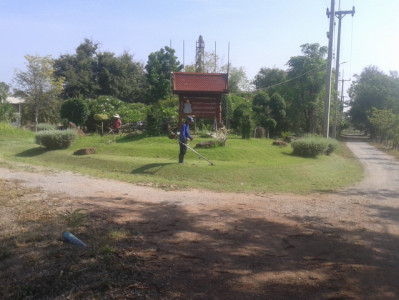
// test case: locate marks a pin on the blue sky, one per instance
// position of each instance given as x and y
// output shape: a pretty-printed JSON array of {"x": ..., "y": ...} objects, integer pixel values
[{"x": 261, "y": 33}]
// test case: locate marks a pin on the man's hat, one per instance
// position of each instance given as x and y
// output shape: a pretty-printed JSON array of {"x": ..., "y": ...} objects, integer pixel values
[
  {"x": 117, "y": 116},
  {"x": 190, "y": 119}
]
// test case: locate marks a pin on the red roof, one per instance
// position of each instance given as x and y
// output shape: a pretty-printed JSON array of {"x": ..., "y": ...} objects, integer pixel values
[{"x": 184, "y": 82}]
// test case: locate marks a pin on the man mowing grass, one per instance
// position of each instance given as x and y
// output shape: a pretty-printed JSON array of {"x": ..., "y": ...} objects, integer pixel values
[{"x": 184, "y": 136}]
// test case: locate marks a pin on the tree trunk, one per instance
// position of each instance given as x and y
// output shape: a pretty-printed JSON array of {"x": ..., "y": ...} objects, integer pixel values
[{"x": 36, "y": 118}]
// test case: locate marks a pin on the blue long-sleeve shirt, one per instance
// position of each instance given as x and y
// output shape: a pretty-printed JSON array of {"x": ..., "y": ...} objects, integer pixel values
[{"x": 185, "y": 133}]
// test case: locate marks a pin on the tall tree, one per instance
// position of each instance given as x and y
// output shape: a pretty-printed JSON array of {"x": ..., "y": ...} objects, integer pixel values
[
  {"x": 121, "y": 77},
  {"x": 159, "y": 69},
  {"x": 307, "y": 75},
  {"x": 40, "y": 87},
  {"x": 372, "y": 88},
  {"x": 80, "y": 71},
  {"x": 238, "y": 80},
  {"x": 75, "y": 110},
  {"x": 269, "y": 111},
  {"x": 278, "y": 110},
  {"x": 384, "y": 123},
  {"x": 270, "y": 80}
]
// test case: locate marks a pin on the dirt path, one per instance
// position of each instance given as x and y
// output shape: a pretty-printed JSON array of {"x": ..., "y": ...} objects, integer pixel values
[{"x": 240, "y": 246}]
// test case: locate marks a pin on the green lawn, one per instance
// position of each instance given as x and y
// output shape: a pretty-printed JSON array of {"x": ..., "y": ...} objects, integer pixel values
[{"x": 242, "y": 166}]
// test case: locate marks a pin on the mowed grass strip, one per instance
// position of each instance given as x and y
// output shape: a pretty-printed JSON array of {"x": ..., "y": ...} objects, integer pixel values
[{"x": 253, "y": 165}]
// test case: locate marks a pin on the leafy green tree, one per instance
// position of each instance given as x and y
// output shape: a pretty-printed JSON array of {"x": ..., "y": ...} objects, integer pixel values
[
  {"x": 40, "y": 88},
  {"x": 159, "y": 69},
  {"x": 307, "y": 81},
  {"x": 242, "y": 120},
  {"x": 229, "y": 104},
  {"x": 238, "y": 80},
  {"x": 270, "y": 80},
  {"x": 121, "y": 77},
  {"x": 90, "y": 73},
  {"x": 4, "y": 91},
  {"x": 246, "y": 125},
  {"x": 384, "y": 123},
  {"x": 103, "y": 105},
  {"x": 278, "y": 111},
  {"x": 75, "y": 110},
  {"x": 154, "y": 120},
  {"x": 80, "y": 71},
  {"x": 372, "y": 89},
  {"x": 133, "y": 112},
  {"x": 7, "y": 111},
  {"x": 263, "y": 112}
]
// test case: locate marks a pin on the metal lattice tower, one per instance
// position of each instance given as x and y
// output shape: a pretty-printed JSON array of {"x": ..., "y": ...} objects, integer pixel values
[{"x": 200, "y": 55}]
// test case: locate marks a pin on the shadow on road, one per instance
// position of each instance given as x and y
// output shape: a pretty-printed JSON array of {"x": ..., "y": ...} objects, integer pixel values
[{"x": 164, "y": 251}]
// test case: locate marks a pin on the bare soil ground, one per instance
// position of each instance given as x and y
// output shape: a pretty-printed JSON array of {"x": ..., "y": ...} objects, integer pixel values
[{"x": 146, "y": 243}]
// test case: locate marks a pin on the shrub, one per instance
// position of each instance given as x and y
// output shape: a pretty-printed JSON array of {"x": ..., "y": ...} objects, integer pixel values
[
  {"x": 6, "y": 112},
  {"x": 332, "y": 145},
  {"x": 286, "y": 136},
  {"x": 312, "y": 146},
  {"x": 45, "y": 126},
  {"x": 154, "y": 121},
  {"x": 56, "y": 139},
  {"x": 75, "y": 110},
  {"x": 246, "y": 125}
]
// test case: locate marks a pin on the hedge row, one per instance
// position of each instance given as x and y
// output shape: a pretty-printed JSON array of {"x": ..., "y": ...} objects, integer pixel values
[{"x": 313, "y": 145}]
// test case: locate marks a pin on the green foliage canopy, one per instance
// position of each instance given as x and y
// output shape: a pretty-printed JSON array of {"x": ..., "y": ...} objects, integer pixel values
[
  {"x": 4, "y": 91},
  {"x": 90, "y": 73},
  {"x": 307, "y": 75},
  {"x": 7, "y": 111},
  {"x": 75, "y": 110},
  {"x": 372, "y": 88},
  {"x": 40, "y": 88},
  {"x": 270, "y": 80},
  {"x": 159, "y": 69}
]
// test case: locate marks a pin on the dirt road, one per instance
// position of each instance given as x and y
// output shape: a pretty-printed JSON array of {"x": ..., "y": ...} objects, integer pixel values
[{"x": 205, "y": 245}]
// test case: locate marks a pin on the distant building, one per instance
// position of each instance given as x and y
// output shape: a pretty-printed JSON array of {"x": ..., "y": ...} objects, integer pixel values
[
  {"x": 200, "y": 95},
  {"x": 17, "y": 103}
]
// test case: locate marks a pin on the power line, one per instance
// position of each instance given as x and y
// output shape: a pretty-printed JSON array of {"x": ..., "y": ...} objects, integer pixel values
[{"x": 303, "y": 74}]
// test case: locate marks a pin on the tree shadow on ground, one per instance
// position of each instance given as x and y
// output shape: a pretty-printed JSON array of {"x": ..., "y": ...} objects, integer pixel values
[
  {"x": 150, "y": 168},
  {"x": 127, "y": 138},
  {"x": 163, "y": 250},
  {"x": 32, "y": 152}
]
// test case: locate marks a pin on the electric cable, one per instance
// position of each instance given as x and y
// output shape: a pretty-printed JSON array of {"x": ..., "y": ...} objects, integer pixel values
[{"x": 277, "y": 84}]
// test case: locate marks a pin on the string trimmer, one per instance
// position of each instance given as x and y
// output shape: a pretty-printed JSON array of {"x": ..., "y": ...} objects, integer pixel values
[{"x": 201, "y": 156}]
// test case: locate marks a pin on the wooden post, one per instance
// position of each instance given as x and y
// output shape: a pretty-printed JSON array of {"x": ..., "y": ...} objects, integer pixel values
[{"x": 181, "y": 106}]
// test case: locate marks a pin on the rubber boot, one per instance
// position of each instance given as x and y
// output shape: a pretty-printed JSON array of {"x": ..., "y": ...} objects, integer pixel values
[{"x": 181, "y": 159}]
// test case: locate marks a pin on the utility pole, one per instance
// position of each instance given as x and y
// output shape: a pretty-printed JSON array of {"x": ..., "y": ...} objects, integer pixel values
[
  {"x": 339, "y": 15},
  {"x": 341, "y": 106},
  {"x": 326, "y": 123}
]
